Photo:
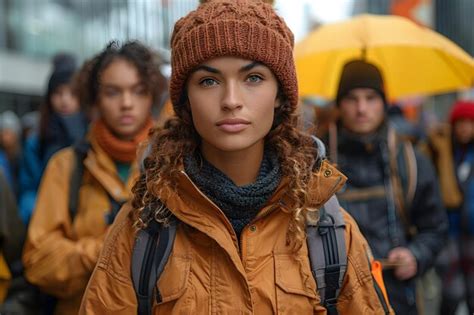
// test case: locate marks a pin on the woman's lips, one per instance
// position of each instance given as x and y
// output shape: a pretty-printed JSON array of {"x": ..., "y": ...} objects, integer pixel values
[
  {"x": 126, "y": 120},
  {"x": 233, "y": 125}
]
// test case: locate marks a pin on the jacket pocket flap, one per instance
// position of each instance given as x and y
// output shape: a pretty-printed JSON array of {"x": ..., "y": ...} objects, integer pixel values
[
  {"x": 173, "y": 280},
  {"x": 290, "y": 277}
]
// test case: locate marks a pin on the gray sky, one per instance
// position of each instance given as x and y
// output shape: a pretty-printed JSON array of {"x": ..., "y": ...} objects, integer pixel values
[{"x": 296, "y": 12}]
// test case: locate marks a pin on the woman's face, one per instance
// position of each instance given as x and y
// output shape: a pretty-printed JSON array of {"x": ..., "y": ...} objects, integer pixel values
[
  {"x": 464, "y": 130},
  {"x": 124, "y": 102},
  {"x": 232, "y": 102},
  {"x": 63, "y": 100}
]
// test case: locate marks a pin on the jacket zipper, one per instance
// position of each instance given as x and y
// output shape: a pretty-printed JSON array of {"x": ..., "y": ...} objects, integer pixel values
[{"x": 269, "y": 209}]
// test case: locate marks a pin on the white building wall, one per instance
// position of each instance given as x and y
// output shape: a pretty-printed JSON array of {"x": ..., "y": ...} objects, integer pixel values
[{"x": 22, "y": 75}]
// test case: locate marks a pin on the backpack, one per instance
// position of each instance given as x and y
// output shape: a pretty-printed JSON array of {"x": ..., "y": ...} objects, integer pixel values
[
  {"x": 153, "y": 247},
  {"x": 80, "y": 153}
]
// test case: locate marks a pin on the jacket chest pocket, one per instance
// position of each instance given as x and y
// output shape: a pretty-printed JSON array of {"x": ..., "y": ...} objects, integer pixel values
[
  {"x": 295, "y": 289},
  {"x": 177, "y": 294}
]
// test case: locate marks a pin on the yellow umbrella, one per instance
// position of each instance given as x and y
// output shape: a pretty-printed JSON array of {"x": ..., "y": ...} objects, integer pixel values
[{"x": 413, "y": 59}]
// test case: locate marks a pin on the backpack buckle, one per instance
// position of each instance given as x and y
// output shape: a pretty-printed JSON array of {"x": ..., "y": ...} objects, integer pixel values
[{"x": 326, "y": 222}]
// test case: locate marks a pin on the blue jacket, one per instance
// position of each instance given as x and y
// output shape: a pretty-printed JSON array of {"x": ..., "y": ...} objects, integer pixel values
[
  {"x": 31, "y": 169},
  {"x": 464, "y": 164},
  {"x": 5, "y": 167},
  {"x": 63, "y": 131}
]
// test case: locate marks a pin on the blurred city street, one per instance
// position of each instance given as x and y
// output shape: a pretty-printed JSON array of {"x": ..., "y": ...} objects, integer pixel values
[{"x": 69, "y": 69}]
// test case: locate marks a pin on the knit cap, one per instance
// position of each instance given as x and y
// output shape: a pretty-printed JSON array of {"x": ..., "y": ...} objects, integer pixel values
[
  {"x": 248, "y": 29},
  {"x": 360, "y": 74},
  {"x": 64, "y": 67},
  {"x": 462, "y": 109}
]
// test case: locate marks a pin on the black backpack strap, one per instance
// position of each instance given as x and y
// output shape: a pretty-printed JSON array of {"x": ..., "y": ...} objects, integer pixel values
[
  {"x": 408, "y": 171},
  {"x": 80, "y": 152},
  {"x": 115, "y": 207},
  {"x": 150, "y": 253},
  {"x": 327, "y": 237},
  {"x": 81, "y": 149}
]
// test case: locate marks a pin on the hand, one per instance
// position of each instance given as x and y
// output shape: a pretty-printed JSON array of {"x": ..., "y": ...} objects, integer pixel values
[
  {"x": 439, "y": 137},
  {"x": 407, "y": 263}
]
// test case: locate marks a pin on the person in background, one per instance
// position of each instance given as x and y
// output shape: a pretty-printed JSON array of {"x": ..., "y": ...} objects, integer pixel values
[
  {"x": 392, "y": 191},
  {"x": 10, "y": 142},
  {"x": 241, "y": 178},
  {"x": 29, "y": 124},
  {"x": 16, "y": 295},
  {"x": 405, "y": 129},
  {"x": 61, "y": 124},
  {"x": 452, "y": 148},
  {"x": 84, "y": 186}
]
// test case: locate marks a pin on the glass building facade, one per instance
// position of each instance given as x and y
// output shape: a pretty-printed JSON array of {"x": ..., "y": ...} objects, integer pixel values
[
  {"x": 32, "y": 31},
  {"x": 40, "y": 28}
]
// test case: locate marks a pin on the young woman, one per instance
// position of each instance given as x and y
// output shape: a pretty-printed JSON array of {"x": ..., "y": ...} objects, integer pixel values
[
  {"x": 64, "y": 240},
  {"x": 62, "y": 123},
  {"x": 236, "y": 173}
]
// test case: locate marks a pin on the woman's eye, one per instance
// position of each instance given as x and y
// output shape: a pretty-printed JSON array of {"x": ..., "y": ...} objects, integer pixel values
[
  {"x": 254, "y": 78},
  {"x": 208, "y": 82},
  {"x": 111, "y": 92},
  {"x": 141, "y": 91}
]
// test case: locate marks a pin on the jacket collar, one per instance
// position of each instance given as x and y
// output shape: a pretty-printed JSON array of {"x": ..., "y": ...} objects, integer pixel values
[
  {"x": 195, "y": 209},
  {"x": 192, "y": 206}
]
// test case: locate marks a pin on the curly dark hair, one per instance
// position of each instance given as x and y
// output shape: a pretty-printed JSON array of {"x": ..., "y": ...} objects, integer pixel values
[
  {"x": 178, "y": 138},
  {"x": 147, "y": 62}
]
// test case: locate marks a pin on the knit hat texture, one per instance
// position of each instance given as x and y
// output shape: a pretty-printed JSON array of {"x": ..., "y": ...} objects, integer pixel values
[
  {"x": 248, "y": 29},
  {"x": 360, "y": 74},
  {"x": 462, "y": 109}
]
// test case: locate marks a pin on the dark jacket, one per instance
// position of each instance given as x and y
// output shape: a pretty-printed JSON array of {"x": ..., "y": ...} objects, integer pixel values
[
  {"x": 21, "y": 296},
  {"x": 368, "y": 197}
]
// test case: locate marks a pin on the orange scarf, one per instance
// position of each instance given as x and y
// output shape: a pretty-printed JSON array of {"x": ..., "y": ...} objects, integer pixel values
[{"x": 118, "y": 149}]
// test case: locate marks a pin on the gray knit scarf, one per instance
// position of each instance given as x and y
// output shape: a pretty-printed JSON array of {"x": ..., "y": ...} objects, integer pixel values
[{"x": 239, "y": 203}]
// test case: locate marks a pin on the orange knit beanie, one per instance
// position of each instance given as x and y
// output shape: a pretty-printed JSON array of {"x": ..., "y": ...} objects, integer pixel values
[{"x": 248, "y": 29}]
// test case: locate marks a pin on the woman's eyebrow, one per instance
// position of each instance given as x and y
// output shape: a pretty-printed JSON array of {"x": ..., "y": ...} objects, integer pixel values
[
  {"x": 207, "y": 68},
  {"x": 217, "y": 71},
  {"x": 250, "y": 66}
]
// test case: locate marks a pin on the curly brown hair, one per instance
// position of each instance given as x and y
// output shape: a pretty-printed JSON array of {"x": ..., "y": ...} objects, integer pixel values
[
  {"x": 87, "y": 81},
  {"x": 178, "y": 138}
]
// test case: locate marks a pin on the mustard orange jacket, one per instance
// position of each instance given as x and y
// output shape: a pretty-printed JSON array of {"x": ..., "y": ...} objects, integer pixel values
[
  {"x": 210, "y": 271},
  {"x": 60, "y": 255}
]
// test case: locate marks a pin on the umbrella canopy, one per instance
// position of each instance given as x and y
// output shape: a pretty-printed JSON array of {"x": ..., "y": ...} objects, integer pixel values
[{"x": 413, "y": 59}]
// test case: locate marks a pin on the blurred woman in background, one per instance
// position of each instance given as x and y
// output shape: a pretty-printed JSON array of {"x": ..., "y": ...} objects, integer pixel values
[
  {"x": 61, "y": 124},
  {"x": 83, "y": 187}
]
